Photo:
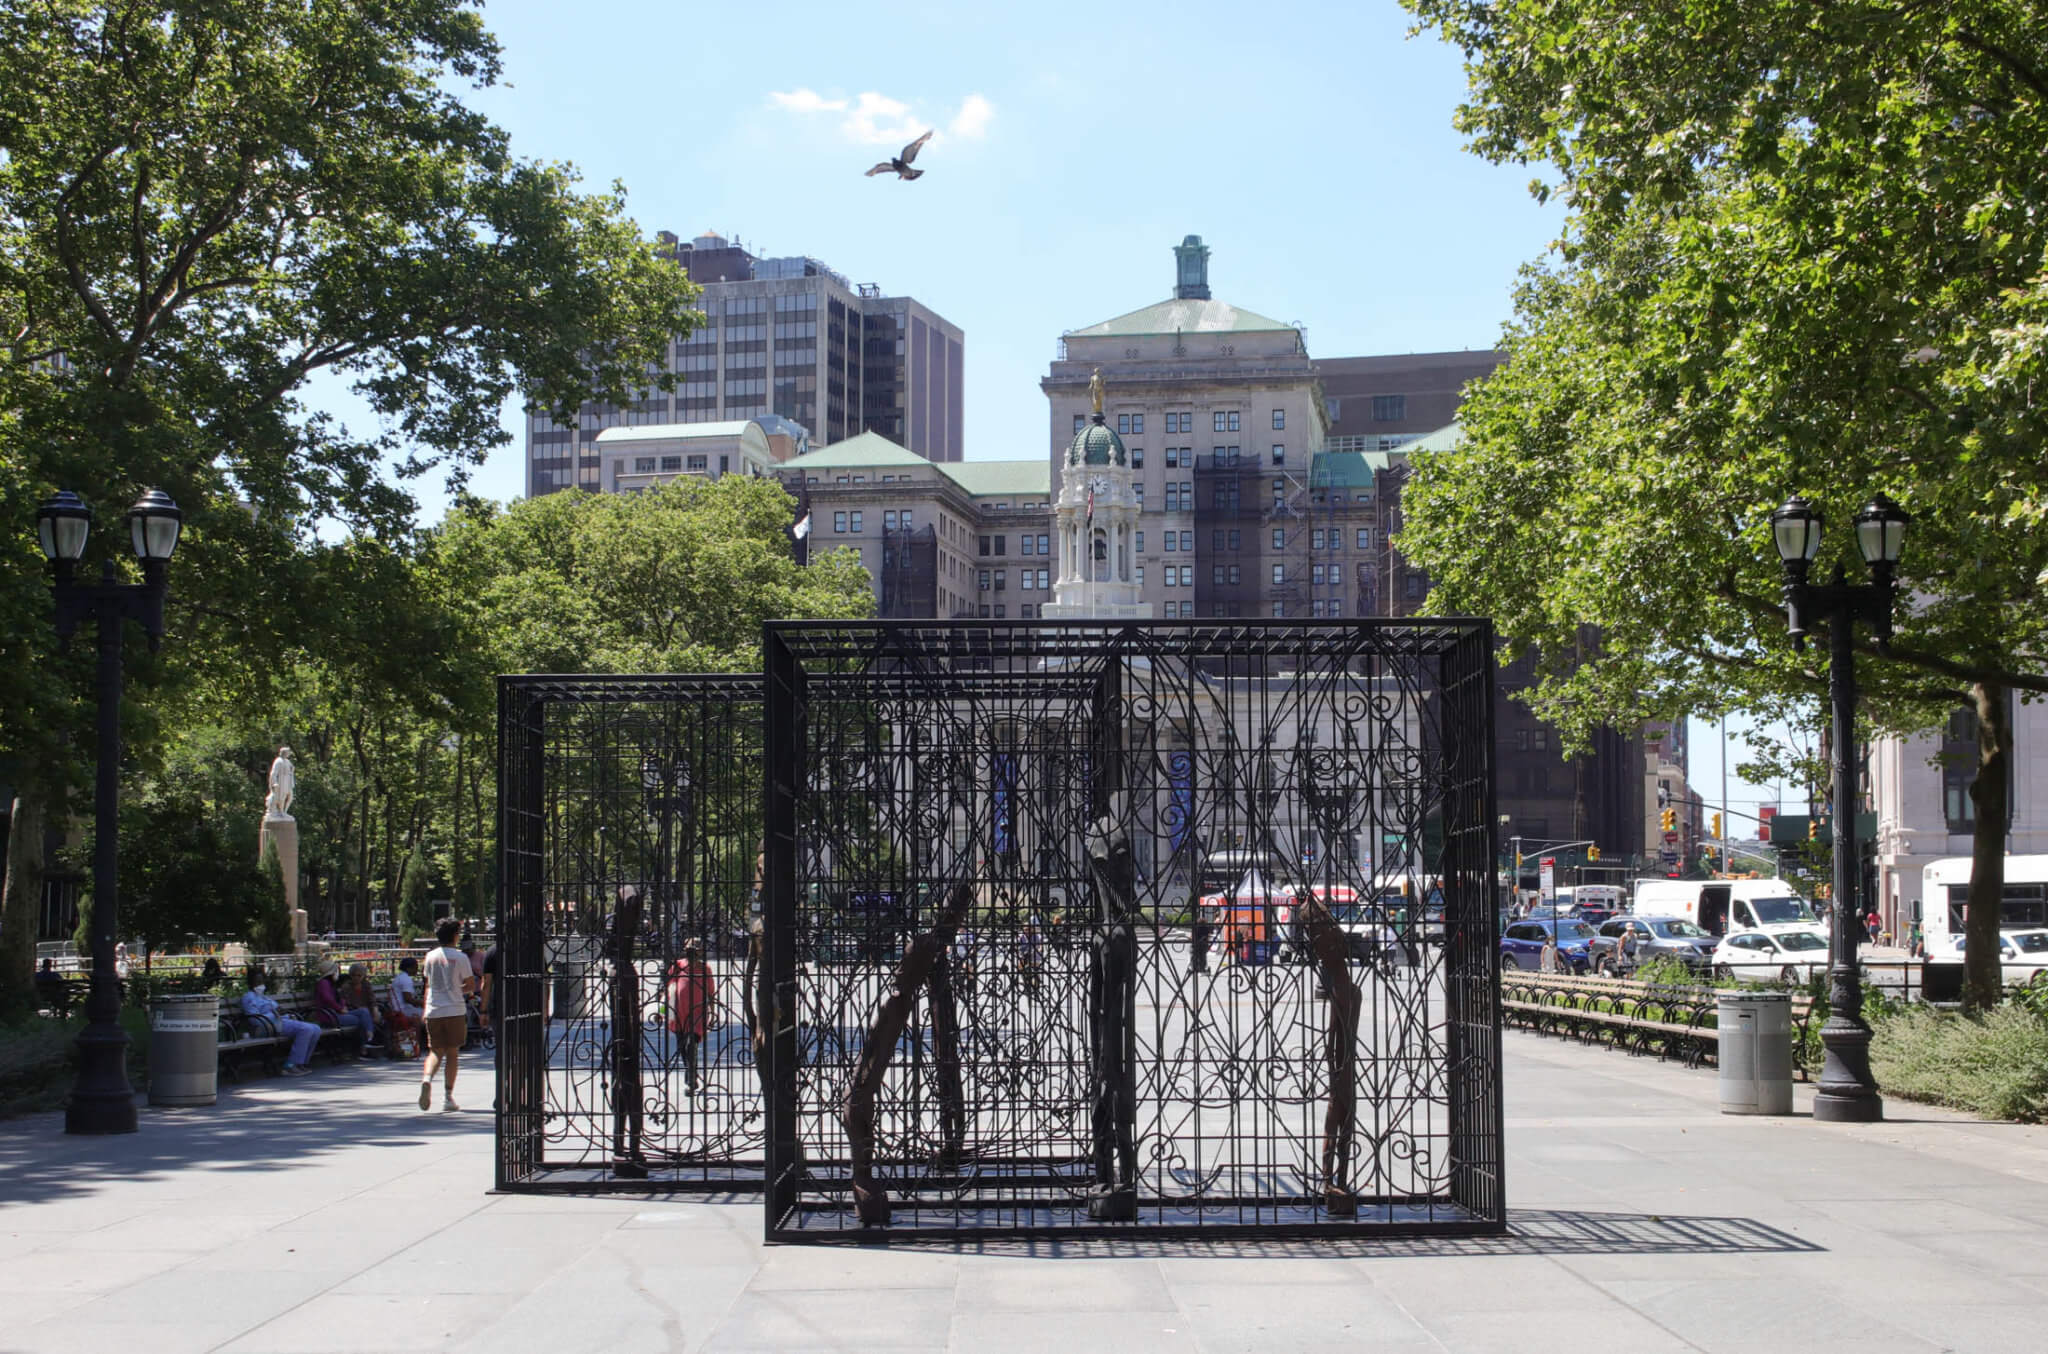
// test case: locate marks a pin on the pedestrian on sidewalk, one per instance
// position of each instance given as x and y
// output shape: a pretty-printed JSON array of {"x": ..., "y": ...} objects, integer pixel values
[
  {"x": 446, "y": 1013},
  {"x": 689, "y": 1005}
]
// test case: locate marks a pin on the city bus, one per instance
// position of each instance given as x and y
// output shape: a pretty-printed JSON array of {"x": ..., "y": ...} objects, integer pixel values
[{"x": 1945, "y": 896}]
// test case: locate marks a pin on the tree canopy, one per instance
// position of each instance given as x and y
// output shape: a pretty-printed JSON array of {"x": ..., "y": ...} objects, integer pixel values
[
  {"x": 203, "y": 205},
  {"x": 1806, "y": 253}
]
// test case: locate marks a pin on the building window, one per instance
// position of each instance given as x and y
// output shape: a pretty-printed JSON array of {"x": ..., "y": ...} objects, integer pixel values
[
  {"x": 984, "y": 545},
  {"x": 1226, "y": 421},
  {"x": 1389, "y": 408},
  {"x": 888, "y": 519},
  {"x": 1002, "y": 545},
  {"x": 643, "y": 465},
  {"x": 1279, "y": 453},
  {"x": 1138, "y": 424},
  {"x": 984, "y": 611},
  {"x": 1137, "y": 458},
  {"x": 1044, "y": 543},
  {"x": 671, "y": 463},
  {"x": 1187, "y": 542},
  {"x": 1365, "y": 538},
  {"x": 905, "y": 519},
  {"x": 1139, "y": 573},
  {"x": 1317, "y": 576},
  {"x": 1279, "y": 573},
  {"x": 700, "y": 463},
  {"x": 1180, "y": 423},
  {"x": 853, "y": 521},
  {"x": 1316, "y": 539},
  {"x": 1279, "y": 538},
  {"x": 1216, "y": 575},
  {"x": 1002, "y": 580},
  {"x": 1023, "y": 545},
  {"x": 1172, "y": 541},
  {"x": 1025, "y": 579},
  {"x": 1045, "y": 580},
  {"x": 1235, "y": 577},
  {"x": 1279, "y": 419},
  {"x": 1080, "y": 422},
  {"x": 1413, "y": 586},
  {"x": 1138, "y": 542},
  {"x": 984, "y": 580},
  {"x": 724, "y": 464},
  {"x": 1235, "y": 538},
  {"x": 839, "y": 522}
]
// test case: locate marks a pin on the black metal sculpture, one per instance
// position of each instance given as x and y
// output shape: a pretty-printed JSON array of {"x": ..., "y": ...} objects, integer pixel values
[
  {"x": 1331, "y": 953},
  {"x": 1112, "y": 1021},
  {"x": 924, "y": 963},
  {"x": 629, "y": 1162}
]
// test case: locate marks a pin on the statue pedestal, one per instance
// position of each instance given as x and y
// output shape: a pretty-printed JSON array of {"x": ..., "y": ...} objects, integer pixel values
[{"x": 282, "y": 830}]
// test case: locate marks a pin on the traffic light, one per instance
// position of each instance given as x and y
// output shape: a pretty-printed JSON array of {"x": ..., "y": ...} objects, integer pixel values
[
  {"x": 1518, "y": 860},
  {"x": 1813, "y": 829},
  {"x": 1671, "y": 820},
  {"x": 1592, "y": 853},
  {"x": 1717, "y": 827}
]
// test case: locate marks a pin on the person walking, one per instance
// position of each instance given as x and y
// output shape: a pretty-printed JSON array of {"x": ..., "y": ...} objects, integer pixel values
[
  {"x": 445, "y": 1013},
  {"x": 689, "y": 1005}
]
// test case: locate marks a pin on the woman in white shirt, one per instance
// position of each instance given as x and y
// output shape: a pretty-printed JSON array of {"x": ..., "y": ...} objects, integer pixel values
[{"x": 446, "y": 1014}]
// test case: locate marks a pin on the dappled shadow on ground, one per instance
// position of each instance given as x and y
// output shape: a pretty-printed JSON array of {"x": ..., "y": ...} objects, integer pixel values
[
  {"x": 1531, "y": 1231},
  {"x": 272, "y": 1125}
]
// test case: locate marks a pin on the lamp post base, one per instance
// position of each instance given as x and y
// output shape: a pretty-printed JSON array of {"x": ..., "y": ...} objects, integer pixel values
[
  {"x": 102, "y": 1101},
  {"x": 1848, "y": 1093}
]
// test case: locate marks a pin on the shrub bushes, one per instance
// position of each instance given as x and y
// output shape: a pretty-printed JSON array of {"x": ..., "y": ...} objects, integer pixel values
[{"x": 1995, "y": 1064}]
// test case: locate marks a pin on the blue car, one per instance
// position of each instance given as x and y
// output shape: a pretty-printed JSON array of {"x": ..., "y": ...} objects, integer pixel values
[{"x": 1523, "y": 943}]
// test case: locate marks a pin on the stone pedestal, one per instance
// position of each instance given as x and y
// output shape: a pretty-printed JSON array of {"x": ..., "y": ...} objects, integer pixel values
[{"x": 282, "y": 830}]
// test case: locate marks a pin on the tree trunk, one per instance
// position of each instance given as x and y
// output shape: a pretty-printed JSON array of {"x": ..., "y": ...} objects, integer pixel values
[
  {"x": 1982, "y": 980},
  {"x": 21, "y": 902}
]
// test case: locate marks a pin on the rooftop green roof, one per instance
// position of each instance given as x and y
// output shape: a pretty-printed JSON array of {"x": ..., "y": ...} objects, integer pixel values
[
  {"x": 1191, "y": 316},
  {"x": 864, "y": 450},
  {"x": 984, "y": 479},
  {"x": 1346, "y": 469}
]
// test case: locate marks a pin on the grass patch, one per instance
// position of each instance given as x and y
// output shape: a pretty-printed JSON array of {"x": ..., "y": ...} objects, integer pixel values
[
  {"x": 38, "y": 1060},
  {"x": 1994, "y": 1064}
]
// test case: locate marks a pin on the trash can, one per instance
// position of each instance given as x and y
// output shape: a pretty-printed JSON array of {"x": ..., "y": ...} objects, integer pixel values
[
  {"x": 568, "y": 997},
  {"x": 184, "y": 1050},
  {"x": 1756, "y": 1052}
]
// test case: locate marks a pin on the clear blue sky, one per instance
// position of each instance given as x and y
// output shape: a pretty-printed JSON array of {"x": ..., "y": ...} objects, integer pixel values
[{"x": 1309, "y": 144}]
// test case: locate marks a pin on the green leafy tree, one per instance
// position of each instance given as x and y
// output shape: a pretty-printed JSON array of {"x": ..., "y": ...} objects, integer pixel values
[
  {"x": 415, "y": 911},
  {"x": 184, "y": 877},
  {"x": 270, "y": 928},
  {"x": 1805, "y": 254},
  {"x": 202, "y": 207}
]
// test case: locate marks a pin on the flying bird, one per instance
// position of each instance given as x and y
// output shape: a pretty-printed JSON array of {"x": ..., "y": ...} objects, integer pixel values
[{"x": 900, "y": 166}]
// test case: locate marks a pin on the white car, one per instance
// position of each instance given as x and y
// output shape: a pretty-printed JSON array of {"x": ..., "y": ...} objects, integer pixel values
[
  {"x": 1784, "y": 955},
  {"x": 2022, "y": 955}
]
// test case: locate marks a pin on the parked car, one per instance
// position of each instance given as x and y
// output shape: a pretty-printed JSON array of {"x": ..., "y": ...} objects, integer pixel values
[
  {"x": 1522, "y": 944},
  {"x": 2022, "y": 954},
  {"x": 1655, "y": 937},
  {"x": 1788, "y": 956}
]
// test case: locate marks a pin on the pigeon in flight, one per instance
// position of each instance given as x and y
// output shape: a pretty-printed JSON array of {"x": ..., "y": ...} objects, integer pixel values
[{"x": 900, "y": 166}]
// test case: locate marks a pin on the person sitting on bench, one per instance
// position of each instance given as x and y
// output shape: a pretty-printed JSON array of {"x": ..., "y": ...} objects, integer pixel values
[{"x": 259, "y": 1007}]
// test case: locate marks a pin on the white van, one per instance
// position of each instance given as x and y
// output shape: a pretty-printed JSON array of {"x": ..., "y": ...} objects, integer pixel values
[{"x": 1719, "y": 906}]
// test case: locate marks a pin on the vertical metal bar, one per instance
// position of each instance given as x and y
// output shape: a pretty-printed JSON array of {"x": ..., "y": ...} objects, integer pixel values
[
  {"x": 782, "y": 783},
  {"x": 102, "y": 1101}
]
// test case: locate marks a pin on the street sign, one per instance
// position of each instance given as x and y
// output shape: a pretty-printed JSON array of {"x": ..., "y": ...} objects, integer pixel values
[
  {"x": 1548, "y": 875},
  {"x": 1669, "y": 855},
  {"x": 1671, "y": 839}
]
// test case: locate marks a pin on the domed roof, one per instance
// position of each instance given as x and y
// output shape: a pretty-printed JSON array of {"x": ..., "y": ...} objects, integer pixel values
[{"x": 1097, "y": 444}]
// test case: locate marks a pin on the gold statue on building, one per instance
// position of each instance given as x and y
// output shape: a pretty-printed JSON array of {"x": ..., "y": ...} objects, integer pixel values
[{"x": 1095, "y": 389}]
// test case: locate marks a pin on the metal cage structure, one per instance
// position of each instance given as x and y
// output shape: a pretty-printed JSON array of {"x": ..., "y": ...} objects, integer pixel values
[
  {"x": 629, "y": 836},
  {"x": 1080, "y": 928}
]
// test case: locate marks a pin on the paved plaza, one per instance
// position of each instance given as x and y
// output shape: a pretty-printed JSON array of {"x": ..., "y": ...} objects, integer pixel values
[{"x": 328, "y": 1213}]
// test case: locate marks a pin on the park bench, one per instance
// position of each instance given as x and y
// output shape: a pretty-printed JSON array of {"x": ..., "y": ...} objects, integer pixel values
[
  {"x": 1669, "y": 1020},
  {"x": 243, "y": 1038}
]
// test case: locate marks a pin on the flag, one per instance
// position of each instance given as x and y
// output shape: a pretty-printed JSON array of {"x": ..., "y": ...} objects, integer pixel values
[
  {"x": 1091, "y": 505},
  {"x": 802, "y": 527}
]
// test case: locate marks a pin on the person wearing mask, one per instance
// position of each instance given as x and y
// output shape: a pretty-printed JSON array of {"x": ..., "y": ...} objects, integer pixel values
[
  {"x": 211, "y": 976},
  {"x": 689, "y": 1005},
  {"x": 331, "y": 1008},
  {"x": 445, "y": 1013},
  {"x": 259, "y": 1006}
]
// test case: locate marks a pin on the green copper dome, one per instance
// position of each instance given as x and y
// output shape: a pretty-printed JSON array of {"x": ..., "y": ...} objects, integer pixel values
[{"x": 1097, "y": 444}]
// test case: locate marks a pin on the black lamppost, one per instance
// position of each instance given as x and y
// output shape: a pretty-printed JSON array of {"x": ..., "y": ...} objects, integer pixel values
[
  {"x": 1847, "y": 1093},
  {"x": 102, "y": 1101}
]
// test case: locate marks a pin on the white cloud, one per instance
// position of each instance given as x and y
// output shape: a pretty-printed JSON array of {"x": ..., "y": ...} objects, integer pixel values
[
  {"x": 971, "y": 122},
  {"x": 806, "y": 101},
  {"x": 875, "y": 119}
]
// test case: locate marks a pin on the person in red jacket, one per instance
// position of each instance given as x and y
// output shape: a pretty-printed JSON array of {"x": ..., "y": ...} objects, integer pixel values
[{"x": 689, "y": 1005}]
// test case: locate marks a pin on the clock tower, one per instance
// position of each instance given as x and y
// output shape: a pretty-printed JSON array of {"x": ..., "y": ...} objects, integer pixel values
[{"x": 1097, "y": 519}]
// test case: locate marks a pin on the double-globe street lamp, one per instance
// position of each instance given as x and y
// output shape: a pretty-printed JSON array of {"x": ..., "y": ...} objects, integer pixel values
[
  {"x": 102, "y": 1101},
  {"x": 1847, "y": 1092}
]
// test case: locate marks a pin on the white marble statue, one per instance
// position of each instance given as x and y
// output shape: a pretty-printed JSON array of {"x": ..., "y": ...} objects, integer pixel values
[{"x": 283, "y": 782}]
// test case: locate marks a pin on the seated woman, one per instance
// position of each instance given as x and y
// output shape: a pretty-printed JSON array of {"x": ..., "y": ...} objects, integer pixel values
[
  {"x": 331, "y": 1008},
  {"x": 259, "y": 1007},
  {"x": 405, "y": 995},
  {"x": 357, "y": 993}
]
